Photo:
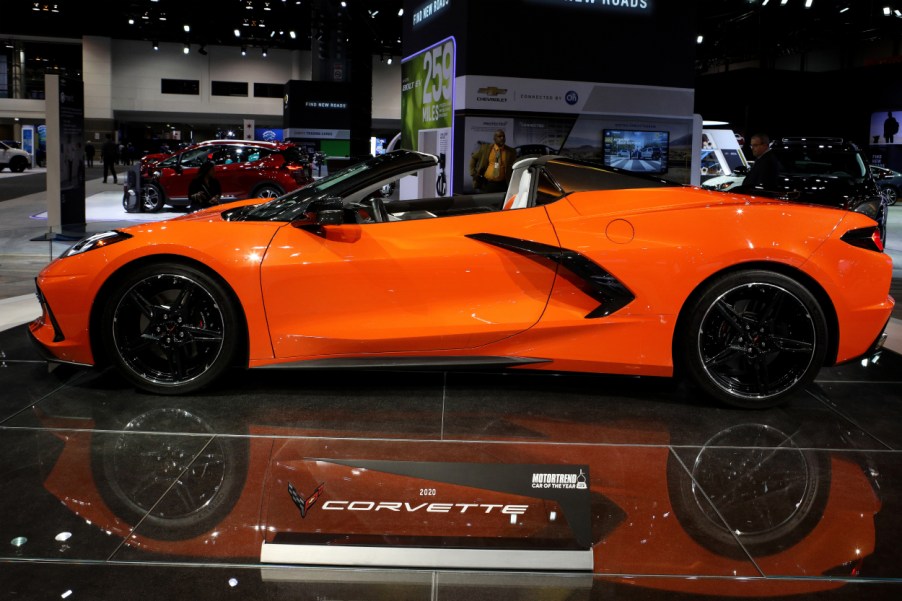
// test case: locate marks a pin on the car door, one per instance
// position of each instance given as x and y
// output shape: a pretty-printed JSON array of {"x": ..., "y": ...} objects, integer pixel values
[
  {"x": 405, "y": 286},
  {"x": 177, "y": 172}
]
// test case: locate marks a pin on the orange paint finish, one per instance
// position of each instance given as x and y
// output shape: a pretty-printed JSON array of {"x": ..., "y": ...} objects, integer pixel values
[{"x": 405, "y": 286}]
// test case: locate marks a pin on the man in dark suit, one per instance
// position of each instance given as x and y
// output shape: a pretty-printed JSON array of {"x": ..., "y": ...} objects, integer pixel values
[
  {"x": 109, "y": 153},
  {"x": 491, "y": 165},
  {"x": 764, "y": 175}
]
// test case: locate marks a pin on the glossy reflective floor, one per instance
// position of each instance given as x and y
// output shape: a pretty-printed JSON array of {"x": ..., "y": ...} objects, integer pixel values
[{"x": 110, "y": 493}]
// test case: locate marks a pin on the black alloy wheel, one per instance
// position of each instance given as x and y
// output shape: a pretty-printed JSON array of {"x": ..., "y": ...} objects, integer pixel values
[
  {"x": 753, "y": 338},
  {"x": 170, "y": 328}
]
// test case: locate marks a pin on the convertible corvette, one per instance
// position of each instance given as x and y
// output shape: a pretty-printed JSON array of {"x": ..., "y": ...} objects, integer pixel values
[{"x": 578, "y": 267}]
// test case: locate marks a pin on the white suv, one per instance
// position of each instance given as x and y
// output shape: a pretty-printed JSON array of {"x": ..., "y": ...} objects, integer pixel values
[{"x": 15, "y": 158}]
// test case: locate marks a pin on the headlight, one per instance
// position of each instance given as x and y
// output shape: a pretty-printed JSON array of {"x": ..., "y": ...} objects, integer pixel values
[{"x": 95, "y": 241}]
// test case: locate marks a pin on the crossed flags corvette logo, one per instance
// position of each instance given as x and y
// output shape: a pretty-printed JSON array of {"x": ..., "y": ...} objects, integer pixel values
[{"x": 303, "y": 504}]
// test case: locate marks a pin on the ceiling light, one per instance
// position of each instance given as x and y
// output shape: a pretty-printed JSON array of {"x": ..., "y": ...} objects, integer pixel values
[
  {"x": 765, "y": 2},
  {"x": 897, "y": 12},
  {"x": 292, "y": 34},
  {"x": 887, "y": 11},
  {"x": 237, "y": 34},
  {"x": 344, "y": 4},
  {"x": 700, "y": 39},
  {"x": 162, "y": 16},
  {"x": 264, "y": 53},
  {"x": 389, "y": 60},
  {"x": 842, "y": 10},
  {"x": 783, "y": 2},
  {"x": 186, "y": 49},
  {"x": 131, "y": 21},
  {"x": 808, "y": 3},
  {"x": 156, "y": 46},
  {"x": 244, "y": 51},
  {"x": 187, "y": 28},
  {"x": 400, "y": 12}
]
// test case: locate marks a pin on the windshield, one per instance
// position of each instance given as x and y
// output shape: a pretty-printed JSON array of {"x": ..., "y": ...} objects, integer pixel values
[
  {"x": 828, "y": 160},
  {"x": 364, "y": 176}
]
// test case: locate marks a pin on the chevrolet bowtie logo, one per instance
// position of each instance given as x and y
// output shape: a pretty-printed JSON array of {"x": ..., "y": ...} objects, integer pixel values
[{"x": 492, "y": 91}]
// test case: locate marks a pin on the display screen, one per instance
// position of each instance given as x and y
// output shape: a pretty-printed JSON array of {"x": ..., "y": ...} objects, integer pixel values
[{"x": 636, "y": 150}]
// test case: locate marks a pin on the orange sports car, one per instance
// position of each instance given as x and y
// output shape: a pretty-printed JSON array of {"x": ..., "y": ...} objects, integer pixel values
[{"x": 578, "y": 267}]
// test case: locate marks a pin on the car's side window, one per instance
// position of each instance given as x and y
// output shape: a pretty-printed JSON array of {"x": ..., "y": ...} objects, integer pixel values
[{"x": 195, "y": 158}]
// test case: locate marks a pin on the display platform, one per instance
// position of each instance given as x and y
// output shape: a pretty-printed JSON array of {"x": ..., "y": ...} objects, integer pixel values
[{"x": 419, "y": 485}]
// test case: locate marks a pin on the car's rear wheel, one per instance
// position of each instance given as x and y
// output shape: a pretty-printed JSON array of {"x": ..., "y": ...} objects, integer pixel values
[
  {"x": 751, "y": 485},
  {"x": 267, "y": 191},
  {"x": 152, "y": 197},
  {"x": 890, "y": 193},
  {"x": 18, "y": 164},
  {"x": 170, "y": 328},
  {"x": 752, "y": 338}
]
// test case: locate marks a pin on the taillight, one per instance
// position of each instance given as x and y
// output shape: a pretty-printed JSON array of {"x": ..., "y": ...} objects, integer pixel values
[{"x": 866, "y": 237}]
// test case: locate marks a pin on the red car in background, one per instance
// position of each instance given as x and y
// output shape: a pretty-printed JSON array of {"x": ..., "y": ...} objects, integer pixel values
[{"x": 244, "y": 168}]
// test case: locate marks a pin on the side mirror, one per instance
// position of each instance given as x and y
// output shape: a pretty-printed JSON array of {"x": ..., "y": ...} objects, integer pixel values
[
  {"x": 330, "y": 217},
  {"x": 322, "y": 211}
]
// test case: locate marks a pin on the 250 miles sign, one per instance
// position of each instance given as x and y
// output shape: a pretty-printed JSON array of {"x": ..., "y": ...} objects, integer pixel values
[{"x": 427, "y": 91}]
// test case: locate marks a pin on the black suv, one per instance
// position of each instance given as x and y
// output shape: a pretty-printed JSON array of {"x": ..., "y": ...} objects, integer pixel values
[{"x": 829, "y": 171}]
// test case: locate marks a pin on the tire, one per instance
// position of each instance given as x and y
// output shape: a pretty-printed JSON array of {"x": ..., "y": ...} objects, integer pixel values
[
  {"x": 267, "y": 191},
  {"x": 752, "y": 338},
  {"x": 749, "y": 484},
  {"x": 170, "y": 328},
  {"x": 167, "y": 470},
  {"x": 18, "y": 164},
  {"x": 890, "y": 193},
  {"x": 153, "y": 198}
]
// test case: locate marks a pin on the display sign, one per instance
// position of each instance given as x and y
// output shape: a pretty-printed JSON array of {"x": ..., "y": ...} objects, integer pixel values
[
  {"x": 620, "y": 6},
  {"x": 428, "y": 11},
  {"x": 427, "y": 91},
  {"x": 334, "y": 511}
]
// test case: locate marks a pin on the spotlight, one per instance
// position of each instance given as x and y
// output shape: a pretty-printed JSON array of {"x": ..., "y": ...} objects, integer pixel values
[
  {"x": 244, "y": 51},
  {"x": 156, "y": 46},
  {"x": 186, "y": 49},
  {"x": 700, "y": 39},
  {"x": 237, "y": 34},
  {"x": 389, "y": 60},
  {"x": 264, "y": 53},
  {"x": 808, "y": 3},
  {"x": 292, "y": 34},
  {"x": 887, "y": 11},
  {"x": 187, "y": 28}
]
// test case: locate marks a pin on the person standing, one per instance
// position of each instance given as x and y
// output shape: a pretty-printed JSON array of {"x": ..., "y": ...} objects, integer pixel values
[
  {"x": 491, "y": 165},
  {"x": 109, "y": 152},
  {"x": 890, "y": 128},
  {"x": 89, "y": 153},
  {"x": 765, "y": 172}
]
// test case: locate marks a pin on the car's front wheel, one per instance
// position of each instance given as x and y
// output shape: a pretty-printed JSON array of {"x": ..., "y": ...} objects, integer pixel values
[
  {"x": 267, "y": 191},
  {"x": 170, "y": 328},
  {"x": 752, "y": 338},
  {"x": 18, "y": 164},
  {"x": 153, "y": 198}
]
